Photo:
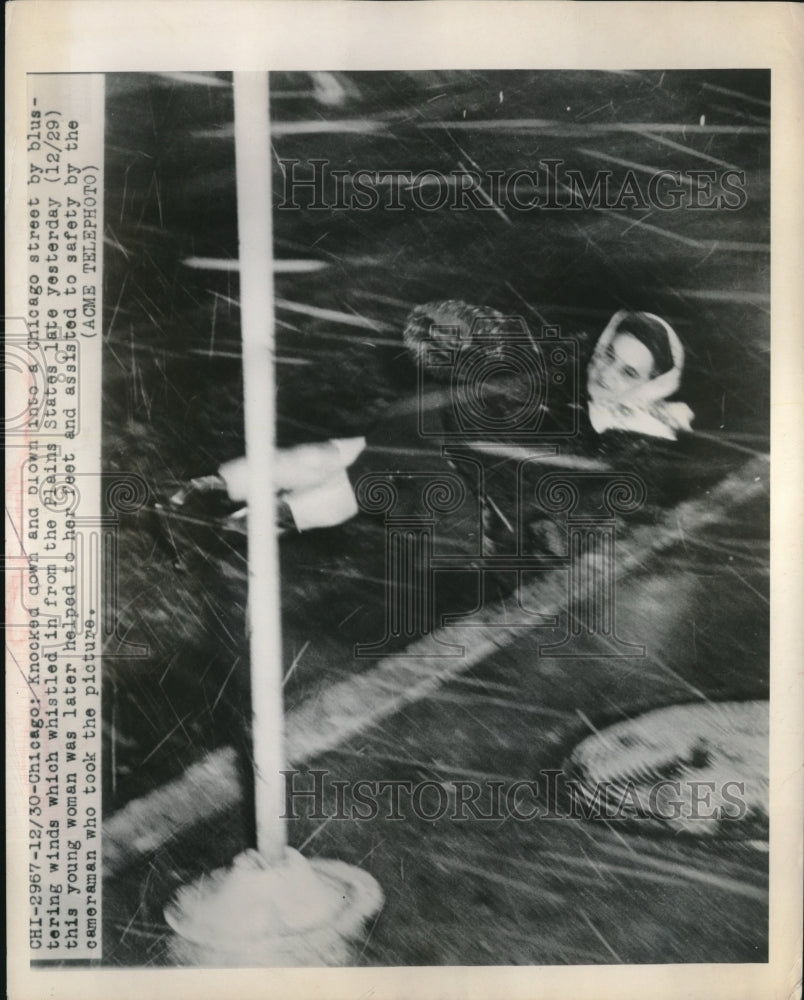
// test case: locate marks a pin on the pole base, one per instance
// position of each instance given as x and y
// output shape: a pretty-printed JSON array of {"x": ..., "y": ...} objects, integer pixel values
[{"x": 297, "y": 913}]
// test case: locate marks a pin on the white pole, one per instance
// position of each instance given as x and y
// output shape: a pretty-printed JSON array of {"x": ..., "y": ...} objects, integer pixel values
[
  {"x": 255, "y": 231},
  {"x": 310, "y": 914}
]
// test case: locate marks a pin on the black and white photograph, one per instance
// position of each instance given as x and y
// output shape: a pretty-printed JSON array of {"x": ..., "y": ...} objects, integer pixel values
[{"x": 419, "y": 610}]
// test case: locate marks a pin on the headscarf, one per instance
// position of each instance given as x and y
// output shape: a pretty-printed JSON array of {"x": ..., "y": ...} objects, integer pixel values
[{"x": 643, "y": 409}]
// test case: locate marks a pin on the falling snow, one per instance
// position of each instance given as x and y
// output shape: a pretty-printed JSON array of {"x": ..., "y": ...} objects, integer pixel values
[{"x": 694, "y": 585}]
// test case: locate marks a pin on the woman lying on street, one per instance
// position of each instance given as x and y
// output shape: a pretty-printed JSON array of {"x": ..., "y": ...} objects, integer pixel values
[{"x": 623, "y": 419}]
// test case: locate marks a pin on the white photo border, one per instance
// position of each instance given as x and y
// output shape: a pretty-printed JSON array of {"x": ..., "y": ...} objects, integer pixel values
[{"x": 188, "y": 35}]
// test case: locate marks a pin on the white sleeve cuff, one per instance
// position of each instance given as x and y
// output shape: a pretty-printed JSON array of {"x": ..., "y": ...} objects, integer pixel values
[{"x": 324, "y": 506}]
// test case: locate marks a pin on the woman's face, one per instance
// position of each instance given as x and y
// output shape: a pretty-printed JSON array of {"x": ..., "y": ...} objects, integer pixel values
[{"x": 626, "y": 364}]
